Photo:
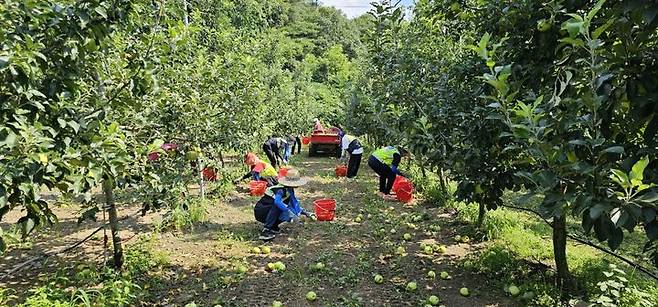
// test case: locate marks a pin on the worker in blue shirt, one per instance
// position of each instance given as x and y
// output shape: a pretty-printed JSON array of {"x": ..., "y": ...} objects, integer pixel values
[{"x": 279, "y": 204}]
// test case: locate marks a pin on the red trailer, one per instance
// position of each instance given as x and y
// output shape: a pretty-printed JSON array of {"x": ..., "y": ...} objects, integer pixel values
[{"x": 325, "y": 141}]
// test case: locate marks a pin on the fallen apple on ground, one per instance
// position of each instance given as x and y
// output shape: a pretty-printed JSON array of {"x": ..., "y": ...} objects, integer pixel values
[
  {"x": 431, "y": 274},
  {"x": 407, "y": 236},
  {"x": 433, "y": 300},
  {"x": 311, "y": 296},
  {"x": 379, "y": 279},
  {"x": 242, "y": 269},
  {"x": 464, "y": 291},
  {"x": 428, "y": 250},
  {"x": 277, "y": 304},
  {"x": 400, "y": 250},
  {"x": 458, "y": 238},
  {"x": 514, "y": 290},
  {"x": 319, "y": 266},
  {"x": 256, "y": 250},
  {"x": 265, "y": 250},
  {"x": 412, "y": 286},
  {"x": 445, "y": 275},
  {"x": 466, "y": 239}
]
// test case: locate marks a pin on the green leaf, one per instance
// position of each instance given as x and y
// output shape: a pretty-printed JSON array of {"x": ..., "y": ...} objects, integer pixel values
[
  {"x": 3, "y": 246},
  {"x": 595, "y": 10},
  {"x": 7, "y": 138},
  {"x": 637, "y": 172},
  {"x": 649, "y": 198},
  {"x": 600, "y": 30},
  {"x": 614, "y": 149},
  {"x": 101, "y": 11},
  {"x": 74, "y": 125},
  {"x": 27, "y": 224}
]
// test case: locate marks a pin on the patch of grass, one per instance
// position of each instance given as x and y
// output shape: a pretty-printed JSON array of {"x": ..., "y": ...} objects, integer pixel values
[
  {"x": 521, "y": 252},
  {"x": 91, "y": 286}
]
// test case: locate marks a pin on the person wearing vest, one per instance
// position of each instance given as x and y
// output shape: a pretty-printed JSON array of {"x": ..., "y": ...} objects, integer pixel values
[
  {"x": 259, "y": 170},
  {"x": 279, "y": 204},
  {"x": 352, "y": 152},
  {"x": 385, "y": 162}
]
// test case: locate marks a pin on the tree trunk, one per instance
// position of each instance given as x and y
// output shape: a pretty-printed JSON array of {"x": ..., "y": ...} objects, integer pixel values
[
  {"x": 186, "y": 19},
  {"x": 201, "y": 187},
  {"x": 221, "y": 159},
  {"x": 422, "y": 168},
  {"x": 481, "y": 214},
  {"x": 108, "y": 187},
  {"x": 442, "y": 181},
  {"x": 564, "y": 280}
]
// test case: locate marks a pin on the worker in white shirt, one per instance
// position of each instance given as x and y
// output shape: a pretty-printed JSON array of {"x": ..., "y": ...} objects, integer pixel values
[{"x": 352, "y": 152}]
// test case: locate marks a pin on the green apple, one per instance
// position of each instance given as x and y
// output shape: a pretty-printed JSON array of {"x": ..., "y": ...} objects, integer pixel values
[
  {"x": 271, "y": 266},
  {"x": 277, "y": 304},
  {"x": 393, "y": 231},
  {"x": 417, "y": 218},
  {"x": 431, "y": 274},
  {"x": 464, "y": 291},
  {"x": 433, "y": 300},
  {"x": 407, "y": 236},
  {"x": 445, "y": 275},
  {"x": 311, "y": 296},
  {"x": 358, "y": 219},
  {"x": 319, "y": 266},
  {"x": 265, "y": 250},
  {"x": 279, "y": 266},
  {"x": 466, "y": 239},
  {"x": 256, "y": 250},
  {"x": 441, "y": 249},
  {"x": 514, "y": 290},
  {"x": 191, "y": 155},
  {"x": 544, "y": 25},
  {"x": 400, "y": 250},
  {"x": 428, "y": 250},
  {"x": 458, "y": 238},
  {"x": 422, "y": 245},
  {"x": 242, "y": 269},
  {"x": 412, "y": 286},
  {"x": 379, "y": 279}
]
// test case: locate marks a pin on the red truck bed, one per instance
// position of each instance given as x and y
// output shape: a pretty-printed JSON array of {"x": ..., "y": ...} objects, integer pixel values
[{"x": 326, "y": 141}]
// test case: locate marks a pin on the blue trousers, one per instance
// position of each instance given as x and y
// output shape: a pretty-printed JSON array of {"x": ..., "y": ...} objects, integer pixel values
[{"x": 269, "y": 214}]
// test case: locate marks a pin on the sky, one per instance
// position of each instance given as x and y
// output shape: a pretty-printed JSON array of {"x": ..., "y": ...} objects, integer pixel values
[{"x": 355, "y": 8}]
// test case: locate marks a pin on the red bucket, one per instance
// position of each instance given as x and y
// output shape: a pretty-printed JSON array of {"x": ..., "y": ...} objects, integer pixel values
[
  {"x": 341, "y": 171},
  {"x": 209, "y": 174},
  {"x": 257, "y": 188},
  {"x": 398, "y": 181},
  {"x": 283, "y": 172},
  {"x": 325, "y": 209},
  {"x": 306, "y": 140},
  {"x": 405, "y": 192}
]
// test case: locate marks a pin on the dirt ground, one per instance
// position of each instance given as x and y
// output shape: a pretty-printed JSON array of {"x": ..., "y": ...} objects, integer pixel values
[{"x": 204, "y": 263}]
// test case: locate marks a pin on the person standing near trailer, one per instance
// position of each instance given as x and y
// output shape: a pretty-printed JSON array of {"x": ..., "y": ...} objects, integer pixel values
[{"x": 352, "y": 151}]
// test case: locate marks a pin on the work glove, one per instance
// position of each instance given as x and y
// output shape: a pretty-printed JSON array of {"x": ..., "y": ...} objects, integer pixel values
[{"x": 395, "y": 169}]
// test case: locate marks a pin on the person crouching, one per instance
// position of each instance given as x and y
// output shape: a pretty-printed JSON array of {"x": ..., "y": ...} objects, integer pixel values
[{"x": 279, "y": 204}]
